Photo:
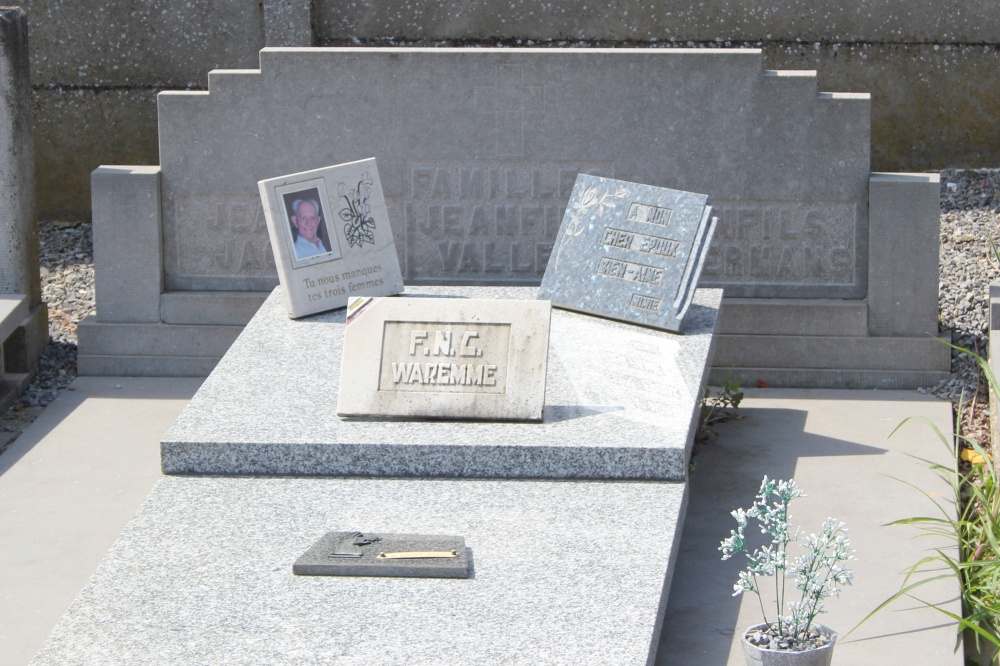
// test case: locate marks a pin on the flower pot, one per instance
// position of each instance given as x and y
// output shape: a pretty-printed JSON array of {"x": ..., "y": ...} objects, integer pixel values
[{"x": 758, "y": 656}]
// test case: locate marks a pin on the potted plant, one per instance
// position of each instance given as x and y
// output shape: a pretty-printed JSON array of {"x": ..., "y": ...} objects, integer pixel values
[{"x": 790, "y": 635}]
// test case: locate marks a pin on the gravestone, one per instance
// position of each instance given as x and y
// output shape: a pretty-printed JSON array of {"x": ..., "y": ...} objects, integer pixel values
[
  {"x": 445, "y": 358},
  {"x": 478, "y": 152},
  {"x": 202, "y": 574},
  {"x": 629, "y": 251},
  {"x": 23, "y": 316},
  {"x": 535, "y": 514}
]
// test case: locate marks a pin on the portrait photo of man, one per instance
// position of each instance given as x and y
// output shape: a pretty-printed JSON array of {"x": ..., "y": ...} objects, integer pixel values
[{"x": 311, "y": 237}]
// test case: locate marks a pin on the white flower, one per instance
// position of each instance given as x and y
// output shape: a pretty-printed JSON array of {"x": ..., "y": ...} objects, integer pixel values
[{"x": 818, "y": 573}]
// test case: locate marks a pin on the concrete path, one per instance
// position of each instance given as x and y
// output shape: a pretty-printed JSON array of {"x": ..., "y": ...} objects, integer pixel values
[
  {"x": 837, "y": 447},
  {"x": 70, "y": 483}
]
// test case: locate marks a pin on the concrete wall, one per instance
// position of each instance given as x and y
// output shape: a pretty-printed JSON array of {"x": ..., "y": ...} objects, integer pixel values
[
  {"x": 929, "y": 66},
  {"x": 96, "y": 68},
  {"x": 23, "y": 316}
]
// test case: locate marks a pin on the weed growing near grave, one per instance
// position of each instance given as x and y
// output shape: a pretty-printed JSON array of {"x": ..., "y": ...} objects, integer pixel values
[
  {"x": 970, "y": 519},
  {"x": 818, "y": 573},
  {"x": 718, "y": 408}
]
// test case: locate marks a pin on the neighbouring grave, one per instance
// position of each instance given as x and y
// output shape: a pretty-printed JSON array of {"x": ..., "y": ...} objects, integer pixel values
[
  {"x": 830, "y": 271},
  {"x": 629, "y": 251},
  {"x": 993, "y": 354},
  {"x": 330, "y": 236},
  {"x": 445, "y": 358},
  {"x": 23, "y": 316}
]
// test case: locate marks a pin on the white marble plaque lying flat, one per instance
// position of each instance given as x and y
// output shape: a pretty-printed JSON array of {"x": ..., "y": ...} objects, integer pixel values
[
  {"x": 445, "y": 358},
  {"x": 629, "y": 251},
  {"x": 331, "y": 237}
]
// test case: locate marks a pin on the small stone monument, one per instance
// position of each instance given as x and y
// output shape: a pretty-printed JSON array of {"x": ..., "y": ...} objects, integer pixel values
[
  {"x": 331, "y": 236},
  {"x": 450, "y": 358},
  {"x": 629, "y": 251}
]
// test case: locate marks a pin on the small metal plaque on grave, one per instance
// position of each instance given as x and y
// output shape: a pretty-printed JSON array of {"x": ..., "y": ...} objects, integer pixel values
[
  {"x": 628, "y": 251},
  {"x": 397, "y": 555}
]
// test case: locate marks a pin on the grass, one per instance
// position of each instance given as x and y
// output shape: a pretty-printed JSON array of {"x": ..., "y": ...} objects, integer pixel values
[{"x": 971, "y": 520}]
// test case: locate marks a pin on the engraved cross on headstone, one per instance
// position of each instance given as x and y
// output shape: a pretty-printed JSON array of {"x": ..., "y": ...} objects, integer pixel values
[{"x": 509, "y": 99}]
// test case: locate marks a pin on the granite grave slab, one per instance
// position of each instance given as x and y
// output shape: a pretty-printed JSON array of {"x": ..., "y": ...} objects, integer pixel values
[
  {"x": 629, "y": 251},
  {"x": 330, "y": 236},
  {"x": 202, "y": 575},
  {"x": 447, "y": 358},
  {"x": 620, "y": 401}
]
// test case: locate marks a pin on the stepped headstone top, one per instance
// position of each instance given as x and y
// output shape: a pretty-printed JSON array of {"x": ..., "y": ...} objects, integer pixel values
[
  {"x": 479, "y": 149},
  {"x": 331, "y": 237},
  {"x": 629, "y": 251},
  {"x": 447, "y": 358}
]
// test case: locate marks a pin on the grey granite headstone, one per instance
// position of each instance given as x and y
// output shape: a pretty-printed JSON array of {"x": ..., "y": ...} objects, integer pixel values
[
  {"x": 331, "y": 237},
  {"x": 629, "y": 251},
  {"x": 448, "y": 358},
  {"x": 395, "y": 555},
  {"x": 480, "y": 148},
  {"x": 478, "y": 152}
]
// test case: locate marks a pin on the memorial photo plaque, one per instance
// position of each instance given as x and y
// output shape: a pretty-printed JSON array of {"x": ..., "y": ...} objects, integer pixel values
[
  {"x": 629, "y": 251},
  {"x": 330, "y": 236},
  {"x": 403, "y": 555},
  {"x": 450, "y": 358}
]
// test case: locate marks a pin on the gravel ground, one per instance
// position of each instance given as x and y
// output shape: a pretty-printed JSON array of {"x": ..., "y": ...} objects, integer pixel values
[
  {"x": 67, "y": 268},
  {"x": 970, "y": 216}
]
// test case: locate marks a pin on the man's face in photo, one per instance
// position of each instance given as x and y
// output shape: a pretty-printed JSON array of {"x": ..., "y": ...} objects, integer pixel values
[{"x": 306, "y": 221}]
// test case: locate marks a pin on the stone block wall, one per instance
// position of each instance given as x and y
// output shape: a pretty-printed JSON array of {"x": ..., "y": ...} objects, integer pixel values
[{"x": 96, "y": 73}]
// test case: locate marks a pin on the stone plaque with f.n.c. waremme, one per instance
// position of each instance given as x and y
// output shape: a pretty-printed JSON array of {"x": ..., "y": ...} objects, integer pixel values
[{"x": 447, "y": 358}]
